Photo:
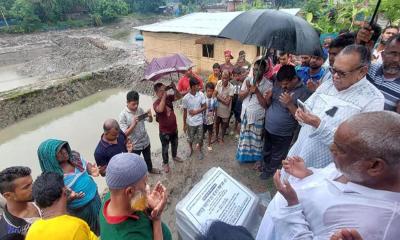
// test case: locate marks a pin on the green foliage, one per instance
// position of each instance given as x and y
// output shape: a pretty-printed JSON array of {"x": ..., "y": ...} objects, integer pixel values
[
  {"x": 332, "y": 16},
  {"x": 256, "y": 4},
  {"x": 24, "y": 10},
  {"x": 110, "y": 9},
  {"x": 391, "y": 9},
  {"x": 144, "y": 6}
]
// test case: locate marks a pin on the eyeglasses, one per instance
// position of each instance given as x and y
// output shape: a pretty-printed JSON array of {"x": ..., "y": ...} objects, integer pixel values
[{"x": 342, "y": 74}]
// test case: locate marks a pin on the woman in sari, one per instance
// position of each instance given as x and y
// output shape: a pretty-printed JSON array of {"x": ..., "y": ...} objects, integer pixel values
[
  {"x": 253, "y": 94},
  {"x": 84, "y": 201}
]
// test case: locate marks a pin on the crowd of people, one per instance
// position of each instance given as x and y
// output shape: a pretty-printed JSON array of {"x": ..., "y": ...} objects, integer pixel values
[{"x": 315, "y": 123}]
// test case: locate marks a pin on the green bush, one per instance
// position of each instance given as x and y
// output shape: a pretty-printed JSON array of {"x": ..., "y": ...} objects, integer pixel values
[
  {"x": 23, "y": 10},
  {"x": 110, "y": 10}
]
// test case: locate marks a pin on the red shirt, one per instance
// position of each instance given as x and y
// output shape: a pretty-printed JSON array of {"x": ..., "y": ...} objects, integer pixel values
[
  {"x": 167, "y": 118},
  {"x": 183, "y": 83}
]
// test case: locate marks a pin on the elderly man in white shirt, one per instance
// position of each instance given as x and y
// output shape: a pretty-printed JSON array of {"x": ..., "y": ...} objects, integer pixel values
[
  {"x": 334, "y": 101},
  {"x": 366, "y": 196}
]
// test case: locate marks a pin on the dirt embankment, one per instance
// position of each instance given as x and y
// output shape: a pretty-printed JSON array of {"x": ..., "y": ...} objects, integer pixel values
[{"x": 68, "y": 65}]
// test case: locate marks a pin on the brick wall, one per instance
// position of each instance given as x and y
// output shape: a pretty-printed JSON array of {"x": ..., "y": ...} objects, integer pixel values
[{"x": 162, "y": 44}]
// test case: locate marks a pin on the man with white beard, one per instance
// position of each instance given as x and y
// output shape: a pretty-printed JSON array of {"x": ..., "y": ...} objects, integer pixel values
[{"x": 130, "y": 210}]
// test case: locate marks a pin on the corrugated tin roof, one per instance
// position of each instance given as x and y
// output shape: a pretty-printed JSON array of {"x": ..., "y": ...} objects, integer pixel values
[{"x": 200, "y": 23}]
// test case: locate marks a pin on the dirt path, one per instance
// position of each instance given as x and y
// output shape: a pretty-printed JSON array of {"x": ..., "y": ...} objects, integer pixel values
[{"x": 183, "y": 176}]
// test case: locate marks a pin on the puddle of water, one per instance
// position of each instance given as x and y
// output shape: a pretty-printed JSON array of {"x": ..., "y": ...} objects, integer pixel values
[
  {"x": 10, "y": 79},
  {"x": 128, "y": 37},
  {"x": 79, "y": 123}
]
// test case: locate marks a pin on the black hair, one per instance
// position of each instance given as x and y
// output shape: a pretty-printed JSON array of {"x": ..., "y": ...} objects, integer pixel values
[
  {"x": 362, "y": 51},
  {"x": 219, "y": 231},
  {"x": 237, "y": 70},
  {"x": 261, "y": 64},
  {"x": 8, "y": 175},
  {"x": 395, "y": 38},
  {"x": 13, "y": 236},
  {"x": 210, "y": 85},
  {"x": 242, "y": 52},
  {"x": 377, "y": 32},
  {"x": 216, "y": 65},
  {"x": 342, "y": 41},
  {"x": 193, "y": 82},
  {"x": 389, "y": 27},
  {"x": 344, "y": 31},
  {"x": 132, "y": 96},
  {"x": 157, "y": 86},
  {"x": 283, "y": 53},
  {"x": 47, "y": 189},
  {"x": 286, "y": 72}
]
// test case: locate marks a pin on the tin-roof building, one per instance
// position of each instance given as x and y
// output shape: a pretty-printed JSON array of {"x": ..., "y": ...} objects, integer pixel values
[{"x": 196, "y": 36}]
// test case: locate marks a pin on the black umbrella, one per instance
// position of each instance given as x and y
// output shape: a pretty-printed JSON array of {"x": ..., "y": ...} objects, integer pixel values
[{"x": 274, "y": 29}]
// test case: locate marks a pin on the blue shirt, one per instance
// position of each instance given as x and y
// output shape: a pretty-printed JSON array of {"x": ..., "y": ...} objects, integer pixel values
[
  {"x": 304, "y": 74},
  {"x": 105, "y": 151},
  {"x": 278, "y": 119}
]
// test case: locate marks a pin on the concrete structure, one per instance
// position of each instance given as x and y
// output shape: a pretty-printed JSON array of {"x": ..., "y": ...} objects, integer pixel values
[{"x": 195, "y": 36}]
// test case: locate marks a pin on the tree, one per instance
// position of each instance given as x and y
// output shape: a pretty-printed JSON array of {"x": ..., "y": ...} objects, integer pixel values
[
  {"x": 24, "y": 11},
  {"x": 110, "y": 9},
  {"x": 145, "y": 6},
  {"x": 391, "y": 10}
]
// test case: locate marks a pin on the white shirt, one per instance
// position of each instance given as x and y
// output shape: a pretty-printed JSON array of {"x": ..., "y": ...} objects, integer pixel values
[
  {"x": 313, "y": 143},
  {"x": 193, "y": 102},
  {"x": 250, "y": 106},
  {"x": 327, "y": 206},
  {"x": 377, "y": 56}
]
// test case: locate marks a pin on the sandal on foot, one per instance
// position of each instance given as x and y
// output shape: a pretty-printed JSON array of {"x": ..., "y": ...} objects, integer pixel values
[
  {"x": 177, "y": 159},
  {"x": 166, "y": 168},
  {"x": 155, "y": 171}
]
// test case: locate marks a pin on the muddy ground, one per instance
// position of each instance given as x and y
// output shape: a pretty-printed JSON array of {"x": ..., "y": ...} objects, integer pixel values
[{"x": 61, "y": 54}]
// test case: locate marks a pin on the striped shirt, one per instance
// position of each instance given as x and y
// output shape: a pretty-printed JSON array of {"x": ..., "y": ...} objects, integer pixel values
[{"x": 389, "y": 87}]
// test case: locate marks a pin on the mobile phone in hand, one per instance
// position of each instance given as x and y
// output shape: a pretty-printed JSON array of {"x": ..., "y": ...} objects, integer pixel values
[
  {"x": 302, "y": 106},
  {"x": 142, "y": 117}
]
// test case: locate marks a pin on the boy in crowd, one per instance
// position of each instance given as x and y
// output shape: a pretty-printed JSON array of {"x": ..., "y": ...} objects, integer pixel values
[
  {"x": 209, "y": 114},
  {"x": 224, "y": 93},
  {"x": 238, "y": 76},
  {"x": 20, "y": 212},
  {"x": 50, "y": 195},
  {"x": 280, "y": 122},
  {"x": 166, "y": 118},
  {"x": 131, "y": 121},
  {"x": 194, "y": 104},
  {"x": 215, "y": 76}
]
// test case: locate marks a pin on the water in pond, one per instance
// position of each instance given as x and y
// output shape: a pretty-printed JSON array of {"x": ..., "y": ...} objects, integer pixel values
[{"x": 79, "y": 123}]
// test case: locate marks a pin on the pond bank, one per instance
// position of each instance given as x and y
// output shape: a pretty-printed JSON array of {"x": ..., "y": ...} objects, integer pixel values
[{"x": 25, "y": 102}]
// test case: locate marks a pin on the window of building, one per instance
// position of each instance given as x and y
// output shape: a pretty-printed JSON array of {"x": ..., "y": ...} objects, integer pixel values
[
  {"x": 208, "y": 50},
  {"x": 258, "y": 51}
]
